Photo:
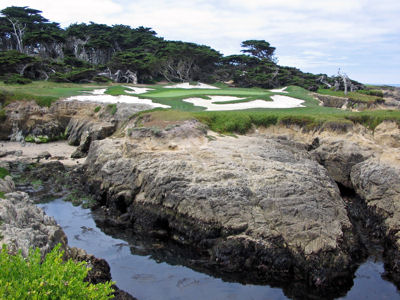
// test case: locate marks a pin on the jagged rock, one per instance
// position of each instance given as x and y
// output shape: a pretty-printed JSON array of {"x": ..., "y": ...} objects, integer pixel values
[
  {"x": 378, "y": 184},
  {"x": 7, "y": 185},
  {"x": 338, "y": 156},
  {"x": 24, "y": 225},
  {"x": 388, "y": 134},
  {"x": 254, "y": 204}
]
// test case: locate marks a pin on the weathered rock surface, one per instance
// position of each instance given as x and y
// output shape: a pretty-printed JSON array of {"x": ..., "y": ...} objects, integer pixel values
[
  {"x": 339, "y": 156},
  {"x": 252, "y": 203},
  {"x": 24, "y": 225},
  {"x": 7, "y": 185}
]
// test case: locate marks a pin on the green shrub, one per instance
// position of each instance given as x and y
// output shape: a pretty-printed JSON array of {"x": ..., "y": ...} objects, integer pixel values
[
  {"x": 2, "y": 196},
  {"x": 97, "y": 109},
  {"x": 17, "y": 79},
  {"x": 39, "y": 139},
  {"x": 28, "y": 278},
  {"x": 3, "y": 173}
]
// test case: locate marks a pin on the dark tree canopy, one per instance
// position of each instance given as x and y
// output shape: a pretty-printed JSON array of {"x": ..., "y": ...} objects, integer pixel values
[
  {"x": 259, "y": 48},
  {"x": 34, "y": 47}
]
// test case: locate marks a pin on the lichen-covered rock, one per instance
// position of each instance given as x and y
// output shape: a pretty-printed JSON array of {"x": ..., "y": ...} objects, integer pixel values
[{"x": 251, "y": 202}]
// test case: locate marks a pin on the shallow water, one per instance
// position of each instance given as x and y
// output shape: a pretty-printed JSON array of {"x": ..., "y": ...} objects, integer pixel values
[{"x": 148, "y": 279}]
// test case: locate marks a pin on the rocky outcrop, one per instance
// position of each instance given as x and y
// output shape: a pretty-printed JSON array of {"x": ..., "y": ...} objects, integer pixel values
[
  {"x": 251, "y": 203},
  {"x": 7, "y": 185},
  {"x": 339, "y": 156},
  {"x": 24, "y": 225}
]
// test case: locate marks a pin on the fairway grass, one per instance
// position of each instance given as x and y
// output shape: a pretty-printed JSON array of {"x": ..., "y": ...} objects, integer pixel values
[{"x": 311, "y": 116}]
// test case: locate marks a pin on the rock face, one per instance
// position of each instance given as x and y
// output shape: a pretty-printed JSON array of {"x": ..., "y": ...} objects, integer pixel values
[
  {"x": 339, "y": 156},
  {"x": 252, "y": 203},
  {"x": 24, "y": 225}
]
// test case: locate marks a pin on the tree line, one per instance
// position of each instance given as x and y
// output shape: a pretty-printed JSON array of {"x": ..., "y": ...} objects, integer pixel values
[{"x": 33, "y": 48}]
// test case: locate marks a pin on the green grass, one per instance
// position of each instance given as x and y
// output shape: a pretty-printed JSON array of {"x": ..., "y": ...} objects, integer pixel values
[
  {"x": 43, "y": 92},
  {"x": 311, "y": 116},
  {"x": 3, "y": 173},
  {"x": 360, "y": 96}
]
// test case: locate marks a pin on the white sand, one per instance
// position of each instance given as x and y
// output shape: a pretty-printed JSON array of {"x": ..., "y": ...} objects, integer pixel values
[
  {"x": 136, "y": 90},
  {"x": 102, "y": 98},
  {"x": 186, "y": 85},
  {"x": 278, "y": 101},
  {"x": 282, "y": 90},
  {"x": 30, "y": 151}
]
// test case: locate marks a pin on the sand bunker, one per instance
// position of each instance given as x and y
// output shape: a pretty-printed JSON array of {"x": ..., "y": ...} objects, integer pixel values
[
  {"x": 282, "y": 90},
  {"x": 278, "y": 101},
  {"x": 136, "y": 90},
  {"x": 187, "y": 85},
  {"x": 99, "y": 97}
]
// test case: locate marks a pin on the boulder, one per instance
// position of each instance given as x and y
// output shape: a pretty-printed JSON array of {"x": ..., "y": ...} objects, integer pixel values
[
  {"x": 24, "y": 225},
  {"x": 251, "y": 203},
  {"x": 339, "y": 156}
]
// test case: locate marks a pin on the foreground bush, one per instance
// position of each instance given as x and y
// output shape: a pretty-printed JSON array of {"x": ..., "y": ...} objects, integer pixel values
[{"x": 29, "y": 278}]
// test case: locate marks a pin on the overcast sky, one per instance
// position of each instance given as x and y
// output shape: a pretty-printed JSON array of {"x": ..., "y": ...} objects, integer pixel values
[{"x": 362, "y": 37}]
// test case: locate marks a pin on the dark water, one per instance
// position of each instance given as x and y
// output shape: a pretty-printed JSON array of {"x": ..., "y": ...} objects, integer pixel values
[{"x": 148, "y": 279}]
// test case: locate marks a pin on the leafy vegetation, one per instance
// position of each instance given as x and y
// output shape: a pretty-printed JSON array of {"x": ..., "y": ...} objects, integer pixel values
[{"x": 29, "y": 278}]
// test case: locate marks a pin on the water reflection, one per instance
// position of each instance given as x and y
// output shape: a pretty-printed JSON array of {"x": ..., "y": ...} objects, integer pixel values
[{"x": 149, "y": 279}]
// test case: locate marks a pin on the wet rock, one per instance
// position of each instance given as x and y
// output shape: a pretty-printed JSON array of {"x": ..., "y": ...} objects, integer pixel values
[{"x": 260, "y": 202}]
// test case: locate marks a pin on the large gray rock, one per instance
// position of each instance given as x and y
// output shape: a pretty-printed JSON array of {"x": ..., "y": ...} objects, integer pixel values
[
  {"x": 338, "y": 156},
  {"x": 24, "y": 225},
  {"x": 7, "y": 185},
  {"x": 251, "y": 202},
  {"x": 378, "y": 183}
]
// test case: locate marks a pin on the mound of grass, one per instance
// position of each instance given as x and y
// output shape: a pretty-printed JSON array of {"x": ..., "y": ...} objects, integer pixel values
[
  {"x": 43, "y": 92},
  {"x": 30, "y": 278}
]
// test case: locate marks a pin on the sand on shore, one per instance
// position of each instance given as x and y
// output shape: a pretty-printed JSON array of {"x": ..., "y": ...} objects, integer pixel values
[{"x": 59, "y": 150}]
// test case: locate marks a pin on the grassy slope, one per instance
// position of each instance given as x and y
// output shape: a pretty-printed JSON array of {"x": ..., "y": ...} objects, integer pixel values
[
  {"x": 311, "y": 116},
  {"x": 43, "y": 92}
]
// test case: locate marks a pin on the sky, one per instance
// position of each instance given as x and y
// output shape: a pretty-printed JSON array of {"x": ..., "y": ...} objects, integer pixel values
[{"x": 361, "y": 37}]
